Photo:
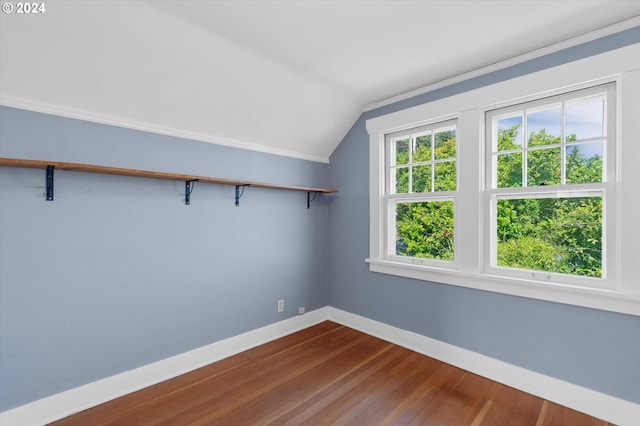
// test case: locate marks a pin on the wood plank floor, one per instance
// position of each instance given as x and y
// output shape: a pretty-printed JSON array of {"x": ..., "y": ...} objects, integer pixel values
[{"x": 329, "y": 375}]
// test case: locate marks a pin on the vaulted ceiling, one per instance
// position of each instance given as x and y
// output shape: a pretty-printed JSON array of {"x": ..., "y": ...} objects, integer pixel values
[{"x": 288, "y": 77}]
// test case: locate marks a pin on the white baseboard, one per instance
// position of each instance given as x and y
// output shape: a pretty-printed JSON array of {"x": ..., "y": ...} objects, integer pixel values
[
  {"x": 64, "y": 404},
  {"x": 597, "y": 404},
  {"x": 61, "y": 405}
]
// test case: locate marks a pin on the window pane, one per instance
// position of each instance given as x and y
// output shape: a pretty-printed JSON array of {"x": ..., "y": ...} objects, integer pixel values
[
  {"x": 425, "y": 229},
  {"x": 445, "y": 144},
  {"x": 401, "y": 179},
  {"x": 421, "y": 176},
  {"x": 422, "y": 148},
  {"x": 551, "y": 234},
  {"x": 509, "y": 133},
  {"x": 544, "y": 126},
  {"x": 510, "y": 170},
  {"x": 585, "y": 119},
  {"x": 543, "y": 167},
  {"x": 402, "y": 151},
  {"x": 445, "y": 176},
  {"x": 584, "y": 162}
]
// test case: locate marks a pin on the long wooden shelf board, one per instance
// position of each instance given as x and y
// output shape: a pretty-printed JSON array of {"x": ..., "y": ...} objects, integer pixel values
[{"x": 90, "y": 168}]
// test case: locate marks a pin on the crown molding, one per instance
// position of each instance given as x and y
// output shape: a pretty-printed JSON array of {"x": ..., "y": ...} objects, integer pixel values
[{"x": 61, "y": 111}]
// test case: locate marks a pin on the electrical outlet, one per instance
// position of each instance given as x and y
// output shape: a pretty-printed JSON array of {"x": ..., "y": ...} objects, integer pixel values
[
  {"x": 281, "y": 305},
  {"x": 301, "y": 310}
]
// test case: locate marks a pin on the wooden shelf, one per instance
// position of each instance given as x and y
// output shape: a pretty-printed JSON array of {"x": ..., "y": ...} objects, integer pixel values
[{"x": 188, "y": 179}]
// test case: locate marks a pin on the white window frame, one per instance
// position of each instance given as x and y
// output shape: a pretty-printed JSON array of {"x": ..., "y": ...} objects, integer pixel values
[
  {"x": 472, "y": 201},
  {"x": 392, "y": 198},
  {"x": 605, "y": 189}
]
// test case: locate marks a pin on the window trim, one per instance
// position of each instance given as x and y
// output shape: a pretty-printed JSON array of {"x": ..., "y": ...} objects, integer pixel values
[
  {"x": 392, "y": 198},
  {"x": 607, "y": 188},
  {"x": 613, "y": 66}
]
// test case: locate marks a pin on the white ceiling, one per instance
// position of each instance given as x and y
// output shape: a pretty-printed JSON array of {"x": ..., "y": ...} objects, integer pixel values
[{"x": 288, "y": 77}]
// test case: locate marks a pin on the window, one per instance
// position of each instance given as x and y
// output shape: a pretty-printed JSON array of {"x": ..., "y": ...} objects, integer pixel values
[
  {"x": 420, "y": 186},
  {"x": 548, "y": 165},
  {"x": 526, "y": 187}
]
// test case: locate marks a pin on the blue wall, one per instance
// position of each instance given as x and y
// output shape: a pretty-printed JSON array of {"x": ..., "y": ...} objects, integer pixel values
[
  {"x": 595, "y": 349},
  {"x": 118, "y": 272}
]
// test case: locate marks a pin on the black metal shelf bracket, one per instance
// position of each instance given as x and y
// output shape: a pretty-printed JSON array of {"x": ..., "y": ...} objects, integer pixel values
[
  {"x": 49, "y": 177},
  {"x": 311, "y": 199},
  {"x": 240, "y": 193},
  {"x": 188, "y": 189}
]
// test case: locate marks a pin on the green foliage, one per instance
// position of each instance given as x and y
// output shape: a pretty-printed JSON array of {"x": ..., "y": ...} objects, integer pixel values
[
  {"x": 507, "y": 138},
  {"x": 549, "y": 234},
  {"x": 445, "y": 145},
  {"x": 583, "y": 170},
  {"x": 445, "y": 176},
  {"x": 402, "y": 180},
  {"x": 509, "y": 164},
  {"x": 527, "y": 253},
  {"x": 509, "y": 170},
  {"x": 543, "y": 167},
  {"x": 576, "y": 231},
  {"x": 425, "y": 229}
]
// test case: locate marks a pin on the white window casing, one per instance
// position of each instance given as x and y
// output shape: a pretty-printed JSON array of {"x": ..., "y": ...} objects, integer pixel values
[
  {"x": 392, "y": 197},
  {"x": 606, "y": 189},
  {"x": 619, "y": 291}
]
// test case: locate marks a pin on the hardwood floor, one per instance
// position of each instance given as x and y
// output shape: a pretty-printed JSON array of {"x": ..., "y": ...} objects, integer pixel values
[{"x": 329, "y": 375}]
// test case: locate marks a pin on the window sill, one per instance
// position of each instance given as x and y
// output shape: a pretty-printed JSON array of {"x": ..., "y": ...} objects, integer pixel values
[{"x": 607, "y": 300}]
